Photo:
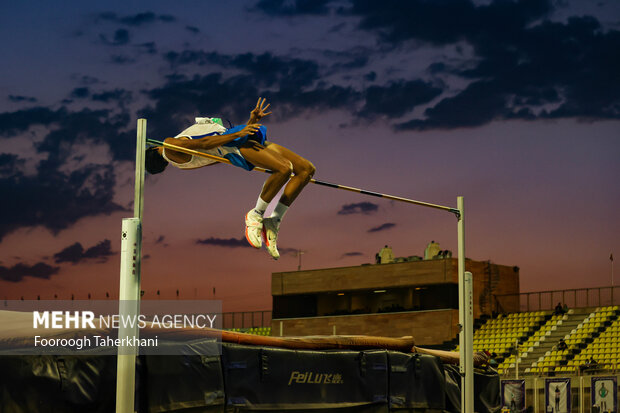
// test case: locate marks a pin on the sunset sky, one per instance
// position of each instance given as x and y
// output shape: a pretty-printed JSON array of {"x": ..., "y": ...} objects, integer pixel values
[{"x": 514, "y": 105}]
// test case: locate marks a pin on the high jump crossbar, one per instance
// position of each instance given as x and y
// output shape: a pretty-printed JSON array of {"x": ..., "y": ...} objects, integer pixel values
[{"x": 177, "y": 148}]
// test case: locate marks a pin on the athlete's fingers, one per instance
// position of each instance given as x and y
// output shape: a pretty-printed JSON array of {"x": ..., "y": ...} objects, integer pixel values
[
  {"x": 252, "y": 128},
  {"x": 264, "y": 106}
]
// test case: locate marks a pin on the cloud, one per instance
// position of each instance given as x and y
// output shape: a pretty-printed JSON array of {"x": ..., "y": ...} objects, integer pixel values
[
  {"x": 161, "y": 241},
  {"x": 56, "y": 195},
  {"x": 192, "y": 29},
  {"x": 121, "y": 96},
  {"x": 240, "y": 243},
  {"x": 102, "y": 250},
  {"x": 382, "y": 227},
  {"x": 148, "y": 47},
  {"x": 352, "y": 254},
  {"x": 12, "y": 123},
  {"x": 521, "y": 65},
  {"x": 19, "y": 98},
  {"x": 297, "y": 85},
  {"x": 295, "y": 101},
  {"x": 208, "y": 95},
  {"x": 136, "y": 20},
  {"x": 60, "y": 187},
  {"x": 267, "y": 69},
  {"x": 397, "y": 98},
  {"x": 75, "y": 253},
  {"x": 346, "y": 60},
  {"x": 445, "y": 22},
  {"x": 9, "y": 163},
  {"x": 119, "y": 59},
  {"x": 121, "y": 38},
  {"x": 365, "y": 208},
  {"x": 370, "y": 76},
  {"x": 86, "y": 80},
  {"x": 223, "y": 242},
  {"x": 53, "y": 199},
  {"x": 68, "y": 127},
  {"x": 525, "y": 67},
  {"x": 17, "y": 272},
  {"x": 292, "y": 7},
  {"x": 478, "y": 104},
  {"x": 232, "y": 98},
  {"x": 80, "y": 93}
]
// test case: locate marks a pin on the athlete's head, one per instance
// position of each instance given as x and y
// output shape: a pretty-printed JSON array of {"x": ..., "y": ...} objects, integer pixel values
[{"x": 154, "y": 162}]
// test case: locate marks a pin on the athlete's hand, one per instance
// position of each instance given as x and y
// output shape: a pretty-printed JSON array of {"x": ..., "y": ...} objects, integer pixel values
[
  {"x": 250, "y": 129},
  {"x": 259, "y": 111}
]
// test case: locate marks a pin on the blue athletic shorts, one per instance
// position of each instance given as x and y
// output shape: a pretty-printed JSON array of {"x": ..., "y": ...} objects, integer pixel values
[{"x": 260, "y": 136}]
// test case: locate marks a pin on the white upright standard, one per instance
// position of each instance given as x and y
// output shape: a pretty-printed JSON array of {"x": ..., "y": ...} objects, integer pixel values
[
  {"x": 129, "y": 291},
  {"x": 466, "y": 341},
  {"x": 466, "y": 317}
]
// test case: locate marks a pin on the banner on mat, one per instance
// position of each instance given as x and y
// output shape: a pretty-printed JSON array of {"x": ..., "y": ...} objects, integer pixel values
[
  {"x": 557, "y": 395},
  {"x": 604, "y": 391},
  {"x": 513, "y": 395}
]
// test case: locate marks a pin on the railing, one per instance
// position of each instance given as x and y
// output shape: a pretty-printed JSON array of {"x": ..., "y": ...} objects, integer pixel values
[
  {"x": 246, "y": 319},
  {"x": 547, "y": 300},
  {"x": 603, "y": 368}
]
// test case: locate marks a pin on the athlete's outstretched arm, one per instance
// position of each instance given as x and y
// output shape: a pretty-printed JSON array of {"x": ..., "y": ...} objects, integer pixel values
[{"x": 210, "y": 142}]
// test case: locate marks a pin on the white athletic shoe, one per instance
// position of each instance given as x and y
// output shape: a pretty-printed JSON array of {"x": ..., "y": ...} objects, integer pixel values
[
  {"x": 253, "y": 228},
  {"x": 270, "y": 237}
]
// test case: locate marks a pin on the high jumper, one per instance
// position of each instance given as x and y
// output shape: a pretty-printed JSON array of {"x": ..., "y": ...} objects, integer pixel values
[{"x": 244, "y": 146}]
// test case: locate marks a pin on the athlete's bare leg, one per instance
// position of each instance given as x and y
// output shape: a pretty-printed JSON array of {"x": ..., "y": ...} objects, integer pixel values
[
  {"x": 282, "y": 168},
  {"x": 302, "y": 168},
  {"x": 283, "y": 162}
]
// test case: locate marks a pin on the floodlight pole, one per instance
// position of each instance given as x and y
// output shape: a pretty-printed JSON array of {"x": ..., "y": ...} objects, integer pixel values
[{"x": 129, "y": 291}]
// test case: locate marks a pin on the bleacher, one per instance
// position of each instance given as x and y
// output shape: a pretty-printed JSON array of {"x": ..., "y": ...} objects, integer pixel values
[
  {"x": 598, "y": 338},
  {"x": 593, "y": 333},
  {"x": 259, "y": 331},
  {"x": 540, "y": 339},
  {"x": 587, "y": 332},
  {"x": 499, "y": 335},
  {"x": 543, "y": 339}
]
